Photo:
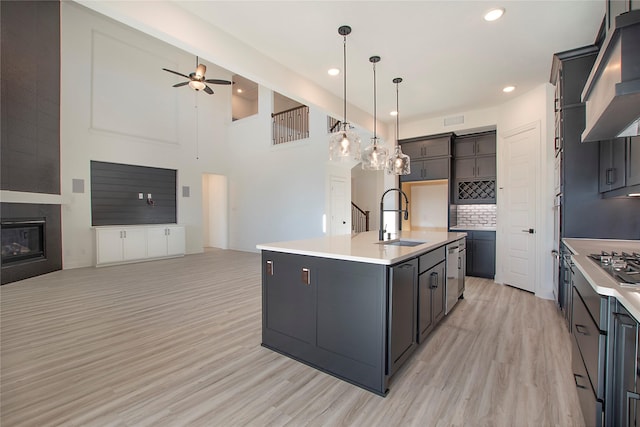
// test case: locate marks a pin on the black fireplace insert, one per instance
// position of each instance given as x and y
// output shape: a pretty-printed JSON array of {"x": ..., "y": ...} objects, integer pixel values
[{"x": 22, "y": 240}]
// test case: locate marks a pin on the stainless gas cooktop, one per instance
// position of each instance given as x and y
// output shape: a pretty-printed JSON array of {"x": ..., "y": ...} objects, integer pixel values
[{"x": 622, "y": 266}]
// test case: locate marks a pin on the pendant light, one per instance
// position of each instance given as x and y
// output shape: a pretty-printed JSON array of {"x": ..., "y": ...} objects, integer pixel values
[
  {"x": 399, "y": 163},
  {"x": 375, "y": 155},
  {"x": 344, "y": 144}
]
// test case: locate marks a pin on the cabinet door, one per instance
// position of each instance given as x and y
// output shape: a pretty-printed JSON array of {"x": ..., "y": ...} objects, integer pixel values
[
  {"x": 438, "y": 293},
  {"x": 175, "y": 240},
  {"x": 416, "y": 172},
  {"x": 486, "y": 167},
  {"x": 612, "y": 165},
  {"x": 109, "y": 244},
  {"x": 633, "y": 160},
  {"x": 464, "y": 147},
  {"x": 156, "y": 242},
  {"x": 415, "y": 149},
  {"x": 290, "y": 297},
  {"x": 426, "y": 283},
  {"x": 483, "y": 263},
  {"x": 437, "y": 147},
  {"x": 624, "y": 395},
  {"x": 436, "y": 168},
  {"x": 134, "y": 243},
  {"x": 486, "y": 144},
  {"x": 465, "y": 168},
  {"x": 402, "y": 313}
]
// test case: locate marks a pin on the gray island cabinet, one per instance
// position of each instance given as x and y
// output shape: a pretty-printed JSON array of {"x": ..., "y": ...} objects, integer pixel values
[{"x": 350, "y": 305}]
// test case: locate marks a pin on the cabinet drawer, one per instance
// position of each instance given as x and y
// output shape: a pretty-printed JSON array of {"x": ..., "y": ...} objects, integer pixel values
[
  {"x": 595, "y": 303},
  {"x": 591, "y": 407},
  {"x": 430, "y": 259},
  {"x": 591, "y": 343}
]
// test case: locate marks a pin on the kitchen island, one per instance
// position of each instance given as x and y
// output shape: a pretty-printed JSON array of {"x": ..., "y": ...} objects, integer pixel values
[{"x": 352, "y": 306}]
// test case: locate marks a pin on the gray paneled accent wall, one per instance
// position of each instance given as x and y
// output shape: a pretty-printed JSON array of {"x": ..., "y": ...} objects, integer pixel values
[
  {"x": 30, "y": 70},
  {"x": 116, "y": 189}
]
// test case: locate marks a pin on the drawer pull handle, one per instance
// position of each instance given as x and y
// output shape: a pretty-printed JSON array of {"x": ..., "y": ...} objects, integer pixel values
[
  {"x": 306, "y": 277},
  {"x": 270, "y": 268},
  {"x": 585, "y": 331},
  {"x": 434, "y": 280},
  {"x": 575, "y": 378}
]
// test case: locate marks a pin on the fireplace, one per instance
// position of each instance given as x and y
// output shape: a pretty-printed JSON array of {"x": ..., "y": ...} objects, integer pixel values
[
  {"x": 22, "y": 240},
  {"x": 30, "y": 240}
]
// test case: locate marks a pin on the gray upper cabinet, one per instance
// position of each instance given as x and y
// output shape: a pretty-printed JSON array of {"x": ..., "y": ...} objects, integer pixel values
[
  {"x": 612, "y": 165},
  {"x": 435, "y": 147},
  {"x": 633, "y": 161},
  {"x": 475, "y": 145},
  {"x": 430, "y": 157}
]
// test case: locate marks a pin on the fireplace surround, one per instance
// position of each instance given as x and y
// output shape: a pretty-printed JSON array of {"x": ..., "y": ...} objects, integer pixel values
[{"x": 31, "y": 240}]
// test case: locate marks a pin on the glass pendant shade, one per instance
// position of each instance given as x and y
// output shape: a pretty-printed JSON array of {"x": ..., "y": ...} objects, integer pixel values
[
  {"x": 375, "y": 156},
  {"x": 344, "y": 144},
  {"x": 399, "y": 163}
]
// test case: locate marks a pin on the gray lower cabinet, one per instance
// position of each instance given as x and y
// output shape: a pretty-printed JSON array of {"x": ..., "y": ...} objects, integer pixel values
[
  {"x": 402, "y": 315},
  {"x": 431, "y": 299},
  {"x": 330, "y": 314},
  {"x": 589, "y": 335},
  {"x": 481, "y": 254},
  {"x": 623, "y": 384}
]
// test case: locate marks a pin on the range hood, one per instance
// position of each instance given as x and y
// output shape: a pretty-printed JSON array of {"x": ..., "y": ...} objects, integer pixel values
[{"x": 612, "y": 91}]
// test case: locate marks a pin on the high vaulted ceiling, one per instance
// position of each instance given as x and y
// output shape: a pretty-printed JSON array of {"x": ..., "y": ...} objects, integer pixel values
[{"x": 450, "y": 58}]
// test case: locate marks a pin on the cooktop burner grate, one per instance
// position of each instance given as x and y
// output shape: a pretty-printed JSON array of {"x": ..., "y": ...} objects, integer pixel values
[{"x": 622, "y": 266}]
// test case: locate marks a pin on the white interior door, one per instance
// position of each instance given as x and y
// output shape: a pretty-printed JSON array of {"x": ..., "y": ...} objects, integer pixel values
[
  {"x": 340, "y": 216},
  {"x": 519, "y": 266}
]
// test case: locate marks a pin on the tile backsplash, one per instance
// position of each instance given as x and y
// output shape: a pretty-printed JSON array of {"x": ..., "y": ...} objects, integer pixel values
[{"x": 476, "y": 215}]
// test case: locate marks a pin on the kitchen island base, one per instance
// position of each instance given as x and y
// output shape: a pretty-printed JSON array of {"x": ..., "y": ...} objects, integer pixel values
[{"x": 350, "y": 306}]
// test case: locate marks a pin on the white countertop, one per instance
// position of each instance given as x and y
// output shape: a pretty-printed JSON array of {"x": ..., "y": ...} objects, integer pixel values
[
  {"x": 600, "y": 280},
  {"x": 364, "y": 247},
  {"x": 473, "y": 227}
]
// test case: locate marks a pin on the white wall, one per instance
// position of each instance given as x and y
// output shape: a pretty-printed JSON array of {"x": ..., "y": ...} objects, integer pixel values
[
  {"x": 275, "y": 192},
  {"x": 132, "y": 115}
]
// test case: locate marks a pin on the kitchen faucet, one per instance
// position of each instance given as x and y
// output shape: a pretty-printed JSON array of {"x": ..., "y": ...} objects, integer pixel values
[{"x": 383, "y": 210}]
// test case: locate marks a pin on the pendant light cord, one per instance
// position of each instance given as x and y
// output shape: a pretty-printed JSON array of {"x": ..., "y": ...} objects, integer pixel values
[
  {"x": 374, "y": 105},
  {"x": 344, "y": 61},
  {"x": 397, "y": 113}
]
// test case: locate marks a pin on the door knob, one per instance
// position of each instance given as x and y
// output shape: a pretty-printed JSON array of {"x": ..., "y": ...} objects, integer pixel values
[{"x": 530, "y": 231}]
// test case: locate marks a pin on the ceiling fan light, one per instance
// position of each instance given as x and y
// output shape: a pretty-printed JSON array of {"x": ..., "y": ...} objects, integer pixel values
[{"x": 195, "y": 84}]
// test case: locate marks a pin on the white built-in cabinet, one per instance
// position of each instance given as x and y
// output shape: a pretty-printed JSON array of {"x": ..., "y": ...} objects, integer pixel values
[
  {"x": 165, "y": 241},
  {"x": 115, "y": 245}
]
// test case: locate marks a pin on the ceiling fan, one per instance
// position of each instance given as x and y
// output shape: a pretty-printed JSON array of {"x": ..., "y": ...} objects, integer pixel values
[{"x": 197, "y": 79}]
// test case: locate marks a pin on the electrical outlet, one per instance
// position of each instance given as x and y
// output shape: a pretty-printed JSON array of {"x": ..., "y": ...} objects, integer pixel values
[
  {"x": 149, "y": 196},
  {"x": 140, "y": 196}
]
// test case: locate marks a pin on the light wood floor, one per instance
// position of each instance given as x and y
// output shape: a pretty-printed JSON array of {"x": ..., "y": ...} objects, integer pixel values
[{"x": 177, "y": 342}]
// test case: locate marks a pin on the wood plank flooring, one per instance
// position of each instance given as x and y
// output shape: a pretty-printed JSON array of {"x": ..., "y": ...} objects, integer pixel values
[{"x": 177, "y": 342}]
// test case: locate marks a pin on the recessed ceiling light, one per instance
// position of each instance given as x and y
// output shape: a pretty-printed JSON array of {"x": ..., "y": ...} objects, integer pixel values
[
  {"x": 394, "y": 113},
  {"x": 494, "y": 14},
  {"x": 239, "y": 90},
  {"x": 508, "y": 89},
  {"x": 333, "y": 71}
]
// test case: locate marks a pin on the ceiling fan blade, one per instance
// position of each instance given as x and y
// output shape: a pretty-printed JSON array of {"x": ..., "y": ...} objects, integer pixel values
[
  {"x": 180, "y": 84},
  {"x": 218, "y": 82},
  {"x": 175, "y": 72},
  {"x": 208, "y": 90}
]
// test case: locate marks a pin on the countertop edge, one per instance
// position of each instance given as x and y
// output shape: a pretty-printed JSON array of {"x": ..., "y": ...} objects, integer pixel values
[{"x": 411, "y": 253}]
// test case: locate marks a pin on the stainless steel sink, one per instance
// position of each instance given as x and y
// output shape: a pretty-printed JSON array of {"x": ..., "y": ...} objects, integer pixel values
[{"x": 401, "y": 243}]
